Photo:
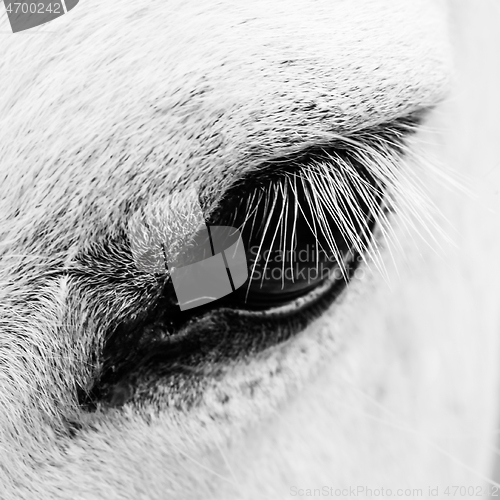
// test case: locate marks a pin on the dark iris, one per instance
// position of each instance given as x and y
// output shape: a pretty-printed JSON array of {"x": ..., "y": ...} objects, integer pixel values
[{"x": 298, "y": 231}]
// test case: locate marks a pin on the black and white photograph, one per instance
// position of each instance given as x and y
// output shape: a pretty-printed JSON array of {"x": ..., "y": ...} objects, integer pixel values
[{"x": 249, "y": 249}]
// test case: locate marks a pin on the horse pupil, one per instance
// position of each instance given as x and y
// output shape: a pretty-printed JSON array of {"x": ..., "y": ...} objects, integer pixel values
[{"x": 293, "y": 244}]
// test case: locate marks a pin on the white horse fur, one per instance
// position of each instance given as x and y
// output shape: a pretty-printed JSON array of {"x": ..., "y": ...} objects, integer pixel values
[{"x": 117, "y": 106}]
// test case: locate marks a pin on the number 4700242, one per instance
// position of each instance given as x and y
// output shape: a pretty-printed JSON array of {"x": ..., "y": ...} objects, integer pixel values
[{"x": 28, "y": 14}]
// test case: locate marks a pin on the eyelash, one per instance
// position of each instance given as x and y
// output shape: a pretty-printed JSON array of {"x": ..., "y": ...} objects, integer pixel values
[{"x": 346, "y": 190}]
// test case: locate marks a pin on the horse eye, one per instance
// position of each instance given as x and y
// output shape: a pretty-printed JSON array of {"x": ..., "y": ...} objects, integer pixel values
[{"x": 305, "y": 222}]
